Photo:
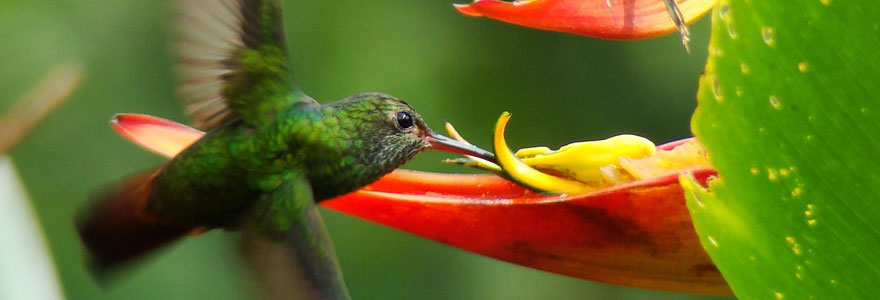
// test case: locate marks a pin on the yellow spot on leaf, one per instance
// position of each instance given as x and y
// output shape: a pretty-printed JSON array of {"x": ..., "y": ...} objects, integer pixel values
[
  {"x": 772, "y": 174},
  {"x": 783, "y": 172},
  {"x": 774, "y": 101},
  {"x": 810, "y": 210},
  {"x": 795, "y": 247},
  {"x": 713, "y": 241},
  {"x": 716, "y": 89},
  {"x": 769, "y": 36}
]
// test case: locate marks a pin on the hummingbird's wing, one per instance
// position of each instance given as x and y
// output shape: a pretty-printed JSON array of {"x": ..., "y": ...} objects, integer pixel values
[
  {"x": 288, "y": 247},
  {"x": 233, "y": 61}
]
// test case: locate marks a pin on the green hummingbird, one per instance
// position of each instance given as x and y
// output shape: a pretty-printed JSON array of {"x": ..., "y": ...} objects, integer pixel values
[{"x": 271, "y": 152}]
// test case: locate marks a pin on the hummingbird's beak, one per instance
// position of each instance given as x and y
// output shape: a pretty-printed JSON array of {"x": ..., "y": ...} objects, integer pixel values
[{"x": 444, "y": 143}]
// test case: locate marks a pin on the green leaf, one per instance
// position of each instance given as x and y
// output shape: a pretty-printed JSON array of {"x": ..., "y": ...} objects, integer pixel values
[{"x": 788, "y": 112}]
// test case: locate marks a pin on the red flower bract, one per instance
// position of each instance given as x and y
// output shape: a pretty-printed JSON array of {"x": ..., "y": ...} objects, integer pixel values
[
  {"x": 622, "y": 20},
  {"x": 637, "y": 234}
]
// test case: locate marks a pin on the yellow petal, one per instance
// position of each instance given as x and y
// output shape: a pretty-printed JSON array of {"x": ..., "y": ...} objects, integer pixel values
[
  {"x": 685, "y": 156},
  {"x": 526, "y": 175},
  {"x": 582, "y": 160},
  {"x": 533, "y": 151}
]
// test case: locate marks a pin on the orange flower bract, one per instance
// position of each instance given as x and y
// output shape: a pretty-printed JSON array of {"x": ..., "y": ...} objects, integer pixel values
[{"x": 621, "y": 20}]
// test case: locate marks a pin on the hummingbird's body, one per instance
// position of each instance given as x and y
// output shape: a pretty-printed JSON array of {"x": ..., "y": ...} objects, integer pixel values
[
  {"x": 328, "y": 145},
  {"x": 270, "y": 153}
]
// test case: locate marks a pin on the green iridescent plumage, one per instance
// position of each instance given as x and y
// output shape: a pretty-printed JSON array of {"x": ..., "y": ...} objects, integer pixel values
[
  {"x": 338, "y": 147},
  {"x": 270, "y": 153}
]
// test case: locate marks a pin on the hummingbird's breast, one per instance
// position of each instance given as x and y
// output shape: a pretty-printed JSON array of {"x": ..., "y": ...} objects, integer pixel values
[
  {"x": 335, "y": 150},
  {"x": 331, "y": 157}
]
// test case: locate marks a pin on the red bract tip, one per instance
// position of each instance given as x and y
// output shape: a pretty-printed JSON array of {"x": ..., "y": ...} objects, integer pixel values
[{"x": 156, "y": 134}]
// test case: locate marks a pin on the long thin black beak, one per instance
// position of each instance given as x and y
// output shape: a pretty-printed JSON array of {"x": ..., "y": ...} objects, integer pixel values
[{"x": 444, "y": 143}]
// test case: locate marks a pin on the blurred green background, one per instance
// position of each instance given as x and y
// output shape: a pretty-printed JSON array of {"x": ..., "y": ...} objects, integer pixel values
[{"x": 466, "y": 70}]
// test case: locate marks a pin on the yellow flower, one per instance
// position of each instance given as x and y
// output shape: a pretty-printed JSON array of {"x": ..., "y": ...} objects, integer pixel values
[{"x": 582, "y": 167}]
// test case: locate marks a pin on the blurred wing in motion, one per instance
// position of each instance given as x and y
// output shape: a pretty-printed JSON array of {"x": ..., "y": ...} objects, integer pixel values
[
  {"x": 233, "y": 61},
  {"x": 288, "y": 248}
]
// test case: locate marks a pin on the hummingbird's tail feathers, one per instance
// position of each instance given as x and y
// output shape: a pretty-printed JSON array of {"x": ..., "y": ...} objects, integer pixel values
[{"x": 117, "y": 229}]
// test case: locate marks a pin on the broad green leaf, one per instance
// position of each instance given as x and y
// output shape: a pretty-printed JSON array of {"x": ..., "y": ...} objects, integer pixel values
[{"x": 788, "y": 112}]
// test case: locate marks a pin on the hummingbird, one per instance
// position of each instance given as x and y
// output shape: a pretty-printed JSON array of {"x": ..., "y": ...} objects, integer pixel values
[{"x": 270, "y": 153}]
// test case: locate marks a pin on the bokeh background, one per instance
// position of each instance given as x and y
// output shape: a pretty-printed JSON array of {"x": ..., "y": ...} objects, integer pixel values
[{"x": 559, "y": 87}]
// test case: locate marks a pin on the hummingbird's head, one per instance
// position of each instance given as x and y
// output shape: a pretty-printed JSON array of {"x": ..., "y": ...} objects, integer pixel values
[{"x": 391, "y": 132}]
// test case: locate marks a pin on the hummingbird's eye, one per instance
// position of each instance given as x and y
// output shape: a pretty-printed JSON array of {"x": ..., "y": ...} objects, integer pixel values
[{"x": 404, "y": 120}]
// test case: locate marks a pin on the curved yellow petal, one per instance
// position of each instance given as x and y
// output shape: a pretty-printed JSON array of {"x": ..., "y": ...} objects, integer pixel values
[{"x": 527, "y": 175}]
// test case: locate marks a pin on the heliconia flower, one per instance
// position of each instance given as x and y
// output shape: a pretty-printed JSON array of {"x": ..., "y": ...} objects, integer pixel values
[
  {"x": 608, "y": 19},
  {"x": 582, "y": 167},
  {"x": 575, "y": 168},
  {"x": 637, "y": 233}
]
